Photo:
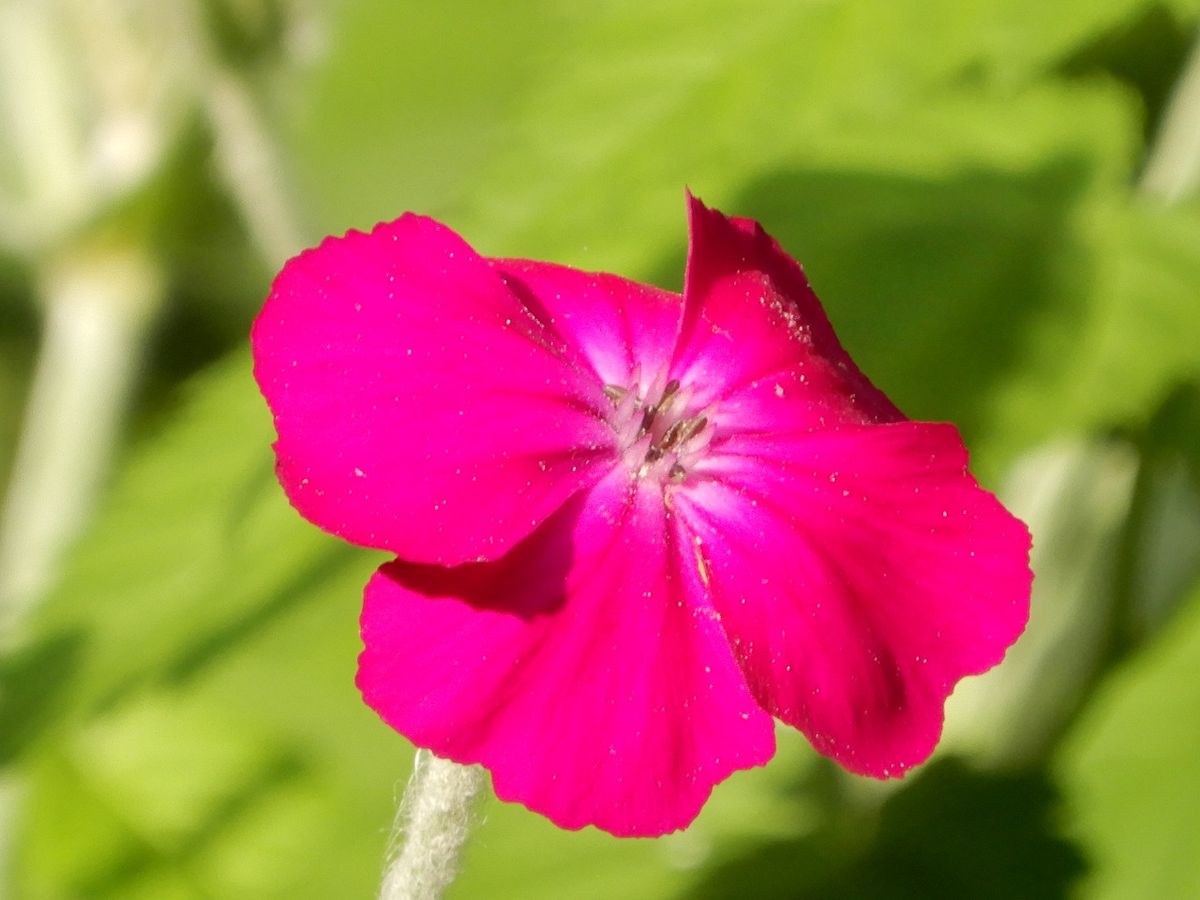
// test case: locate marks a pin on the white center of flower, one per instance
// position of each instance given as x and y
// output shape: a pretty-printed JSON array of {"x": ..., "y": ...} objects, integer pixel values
[{"x": 660, "y": 435}]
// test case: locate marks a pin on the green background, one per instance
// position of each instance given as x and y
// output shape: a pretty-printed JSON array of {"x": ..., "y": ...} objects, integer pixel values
[{"x": 960, "y": 180}]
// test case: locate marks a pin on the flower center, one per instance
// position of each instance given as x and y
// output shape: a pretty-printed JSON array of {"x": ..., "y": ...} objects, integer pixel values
[{"x": 659, "y": 434}]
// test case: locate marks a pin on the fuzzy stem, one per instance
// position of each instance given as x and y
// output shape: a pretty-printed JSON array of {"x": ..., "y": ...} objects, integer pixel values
[{"x": 435, "y": 819}]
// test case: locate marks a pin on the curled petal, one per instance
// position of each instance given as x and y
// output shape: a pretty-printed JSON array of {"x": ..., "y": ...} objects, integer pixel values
[
  {"x": 420, "y": 407},
  {"x": 598, "y": 695},
  {"x": 859, "y": 574},
  {"x": 752, "y": 323}
]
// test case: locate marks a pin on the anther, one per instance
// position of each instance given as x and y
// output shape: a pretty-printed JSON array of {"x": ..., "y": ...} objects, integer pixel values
[
  {"x": 661, "y": 430},
  {"x": 647, "y": 420},
  {"x": 615, "y": 393},
  {"x": 671, "y": 438},
  {"x": 683, "y": 431}
]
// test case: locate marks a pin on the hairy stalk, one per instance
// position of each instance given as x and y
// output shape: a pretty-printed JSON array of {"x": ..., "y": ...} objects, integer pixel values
[{"x": 434, "y": 819}]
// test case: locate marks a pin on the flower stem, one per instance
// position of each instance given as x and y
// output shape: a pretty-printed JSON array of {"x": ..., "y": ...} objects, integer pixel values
[{"x": 435, "y": 819}]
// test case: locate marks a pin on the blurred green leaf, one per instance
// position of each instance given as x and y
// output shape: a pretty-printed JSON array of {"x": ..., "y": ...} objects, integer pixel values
[
  {"x": 165, "y": 746},
  {"x": 952, "y": 252},
  {"x": 949, "y": 832},
  {"x": 675, "y": 93},
  {"x": 993, "y": 209},
  {"x": 526, "y": 124},
  {"x": 523, "y": 857},
  {"x": 34, "y": 681},
  {"x": 196, "y": 535},
  {"x": 408, "y": 104},
  {"x": 1145, "y": 52},
  {"x": 1131, "y": 775},
  {"x": 167, "y": 773},
  {"x": 963, "y": 207},
  {"x": 1132, "y": 338},
  {"x": 1160, "y": 560}
]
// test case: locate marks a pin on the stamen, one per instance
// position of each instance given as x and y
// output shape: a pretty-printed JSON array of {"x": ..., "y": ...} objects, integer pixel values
[
  {"x": 664, "y": 401},
  {"x": 671, "y": 438},
  {"x": 657, "y": 429},
  {"x": 615, "y": 393},
  {"x": 647, "y": 420},
  {"x": 682, "y": 431}
]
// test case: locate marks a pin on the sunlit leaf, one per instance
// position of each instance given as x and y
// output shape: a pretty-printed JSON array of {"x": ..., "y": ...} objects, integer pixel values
[{"x": 1132, "y": 777}]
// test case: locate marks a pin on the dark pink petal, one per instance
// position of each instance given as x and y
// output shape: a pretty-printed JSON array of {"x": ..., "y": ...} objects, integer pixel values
[
  {"x": 859, "y": 573},
  {"x": 420, "y": 407},
  {"x": 753, "y": 332},
  {"x": 597, "y": 695},
  {"x": 620, "y": 328}
]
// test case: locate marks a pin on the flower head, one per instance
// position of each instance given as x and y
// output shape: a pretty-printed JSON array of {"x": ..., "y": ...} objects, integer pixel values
[{"x": 632, "y": 526}]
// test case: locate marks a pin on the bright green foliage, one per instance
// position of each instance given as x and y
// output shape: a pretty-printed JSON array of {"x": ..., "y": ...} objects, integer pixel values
[
  {"x": 1132, "y": 775},
  {"x": 957, "y": 176}
]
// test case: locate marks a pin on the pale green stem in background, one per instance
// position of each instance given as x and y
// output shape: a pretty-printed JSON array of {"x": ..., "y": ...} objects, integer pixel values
[
  {"x": 89, "y": 93},
  {"x": 86, "y": 108},
  {"x": 250, "y": 165},
  {"x": 1074, "y": 496},
  {"x": 1173, "y": 166},
  {"x": 435, "y": 820},
  {"x": 43, "y": 135},
  {"x": 97, "y": 304}
]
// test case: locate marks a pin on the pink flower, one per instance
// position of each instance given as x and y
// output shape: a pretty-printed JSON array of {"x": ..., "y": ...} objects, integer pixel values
[{"x": 633, "y": 527}]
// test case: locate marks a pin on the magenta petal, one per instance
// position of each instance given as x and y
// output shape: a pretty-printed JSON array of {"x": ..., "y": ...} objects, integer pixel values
[
  {"x": 754, "y": 332},
  {"x": 420, "y": 407},
  {"x": 859, "y": 574},
  {"x": 598, "y": 695},
  {"x": 617, "y": 326}
]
